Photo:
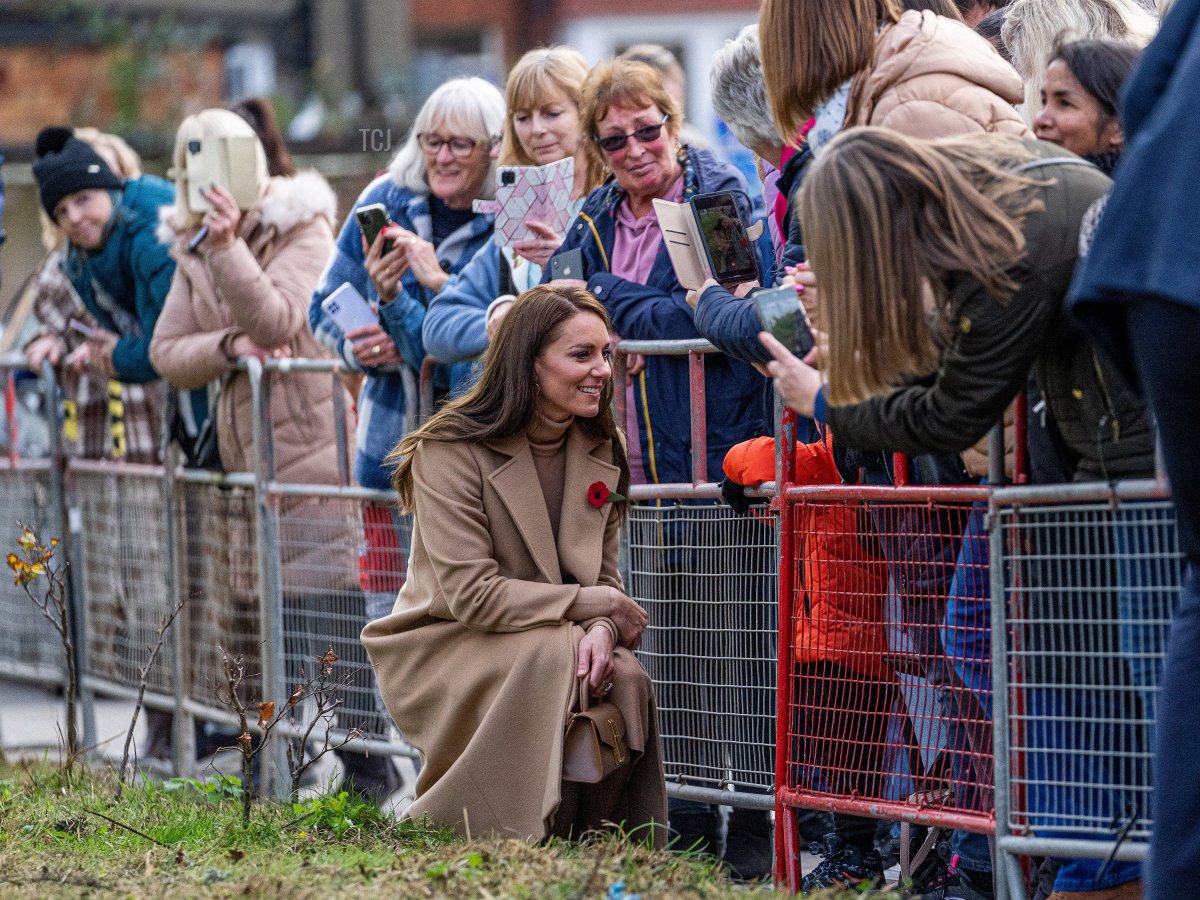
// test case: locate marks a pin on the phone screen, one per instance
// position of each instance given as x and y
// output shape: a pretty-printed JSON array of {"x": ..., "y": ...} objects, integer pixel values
[
  {"x": 731, "y": 254},
  {"x": 373, "y": 219},
  {"x": 783, "y": 316}
]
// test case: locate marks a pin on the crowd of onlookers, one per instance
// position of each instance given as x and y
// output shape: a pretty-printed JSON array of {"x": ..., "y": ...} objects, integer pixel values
[{"x": 937, "y": 188}]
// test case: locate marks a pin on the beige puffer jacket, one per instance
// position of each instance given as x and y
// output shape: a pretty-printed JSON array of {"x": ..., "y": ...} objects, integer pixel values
[
  {"x": 933, "y": 77},
  {"x": 261, "y": 286}
]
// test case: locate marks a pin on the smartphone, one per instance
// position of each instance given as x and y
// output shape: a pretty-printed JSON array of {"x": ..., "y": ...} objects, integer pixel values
[
  {"x": 731, "y": 254},
  {"x": 782, "y": 315},
  {"x": 372, "y": 219},
  {"x": 568, "y": 264},
  {"x": 231, "y": 162},
  {"x": 348, "y": 309}
]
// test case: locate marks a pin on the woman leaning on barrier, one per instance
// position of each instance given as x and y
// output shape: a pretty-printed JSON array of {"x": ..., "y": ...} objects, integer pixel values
[
  {"x": 243, "y": 291},
  {"x": 942, "y": 267},
  {"x": 513, "y": 602}
]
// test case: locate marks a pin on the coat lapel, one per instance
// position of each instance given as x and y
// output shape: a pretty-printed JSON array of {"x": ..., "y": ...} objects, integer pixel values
[
  {"x": 516, "y": 481},
  {"x": 581, "y": 525}
]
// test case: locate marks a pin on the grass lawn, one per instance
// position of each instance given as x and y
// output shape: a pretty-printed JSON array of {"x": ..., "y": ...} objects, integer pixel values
[{"x": 55, "y": 841}]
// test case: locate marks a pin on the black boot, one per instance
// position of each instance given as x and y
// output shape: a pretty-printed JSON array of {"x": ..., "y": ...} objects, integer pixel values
[
  {"x": 749, "y": 845},
  {"x": 696, "y": 829},
  {"x": 373, "y": 778}
]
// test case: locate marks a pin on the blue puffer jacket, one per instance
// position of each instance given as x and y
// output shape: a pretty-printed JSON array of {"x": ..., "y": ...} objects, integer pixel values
[
  {"x": 125, "y": 283},
  {"x": 381, "y": 405},
  {"x": 658, "y": 310}
]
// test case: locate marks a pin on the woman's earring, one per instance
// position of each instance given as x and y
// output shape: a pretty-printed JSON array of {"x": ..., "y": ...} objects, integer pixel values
[{"x": 537, "y": 387}]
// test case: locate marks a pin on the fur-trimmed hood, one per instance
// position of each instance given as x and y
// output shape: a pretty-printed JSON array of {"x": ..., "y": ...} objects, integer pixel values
[{"x": 286, "y": 203}]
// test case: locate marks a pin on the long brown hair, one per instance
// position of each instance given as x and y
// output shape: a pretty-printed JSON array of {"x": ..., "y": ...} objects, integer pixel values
[
  {"x": 810, "y": 48},
  {"x": 504, "y": 400},
  {"x": 886, "y": 219}
]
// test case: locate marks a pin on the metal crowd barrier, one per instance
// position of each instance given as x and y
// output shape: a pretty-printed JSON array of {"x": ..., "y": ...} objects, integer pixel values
[
  {"x": 707, "y": 579},
  {"x": 30, "y": 493},
  {"x": 1085, "y": 580},
  {"x": 1006, "y": 683}
]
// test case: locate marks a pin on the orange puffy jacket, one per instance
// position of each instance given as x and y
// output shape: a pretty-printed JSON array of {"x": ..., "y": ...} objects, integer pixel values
[{"x": 842, "y": 580}]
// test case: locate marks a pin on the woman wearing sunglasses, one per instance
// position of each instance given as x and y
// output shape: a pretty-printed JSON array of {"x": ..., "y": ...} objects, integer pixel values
[{"x": 633, "y": 126}]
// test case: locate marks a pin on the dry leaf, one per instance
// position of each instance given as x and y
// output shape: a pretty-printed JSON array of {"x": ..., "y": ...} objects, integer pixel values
[
  {"x": 265, "y": 713},
  {"x": 236, "y": 855}
]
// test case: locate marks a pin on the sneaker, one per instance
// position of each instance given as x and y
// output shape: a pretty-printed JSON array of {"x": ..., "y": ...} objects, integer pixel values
[{"x": 842, "y": 866}]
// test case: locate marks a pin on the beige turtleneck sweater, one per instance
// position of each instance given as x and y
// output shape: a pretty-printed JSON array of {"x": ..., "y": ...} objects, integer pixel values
[{"x": 546, "y": 440}]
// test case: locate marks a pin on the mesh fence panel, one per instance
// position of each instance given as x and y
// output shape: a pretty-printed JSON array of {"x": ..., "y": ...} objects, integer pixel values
[
  {"x": 217, "y": 537},
  {"x": 326, "y": 595},
  {"x": 891, "y": 693},
  {"x": 126, "y": 586},
  {"x": 29, "y": 645},
  {"x": 1090, "y": 590},
  {"x": 707, "y": 578}
]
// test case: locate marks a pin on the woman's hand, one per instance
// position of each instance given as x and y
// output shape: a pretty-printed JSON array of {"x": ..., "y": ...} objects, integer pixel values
[
  {"x": 805, "y": 282},
  {"x": 538, "y": 249},
  {"x": 422, "y": 258},
  {"x": 499, "y": 311},
  {"x": 796, "y": 381},
  {"x": 372, "y": 346},
  {"x": 386, "y": 269},
  {"x": 629, "y": 618},
  {"x": 634, "y": 362},
  {"x": 48, "y": 348},
  {"x": 595, "y": 660},
  {"x": 94, "y": 356},
  {"x": 223, "y": 219},
  {"x": 241, "y": 345}
]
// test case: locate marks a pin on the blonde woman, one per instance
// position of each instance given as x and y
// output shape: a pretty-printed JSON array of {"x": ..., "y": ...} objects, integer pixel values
[
  {"x": 244, "y": 292},
  {"x": 542, "y": 126}
]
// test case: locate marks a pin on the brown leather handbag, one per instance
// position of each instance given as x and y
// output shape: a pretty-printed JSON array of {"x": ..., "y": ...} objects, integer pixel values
[{"x": 594, "y": 744}]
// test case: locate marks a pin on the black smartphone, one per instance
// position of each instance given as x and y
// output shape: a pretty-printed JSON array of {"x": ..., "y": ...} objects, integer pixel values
[
  {"x": 782, "y": 315},
  {"x": 568, "y": 264},
  {"x": 372, "y": 219},
  {"x": 731, "y": 254}
]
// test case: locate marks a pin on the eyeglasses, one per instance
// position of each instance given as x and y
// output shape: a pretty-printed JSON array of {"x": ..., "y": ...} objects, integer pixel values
[
  {"x": 645, "y": 135},
  {"x": 460, "y": 147}
]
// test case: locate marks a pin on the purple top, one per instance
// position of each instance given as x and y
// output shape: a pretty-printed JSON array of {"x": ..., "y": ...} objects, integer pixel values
[
  {"x": 635, "y": 245},
  {"x": 636, "y": 241}
]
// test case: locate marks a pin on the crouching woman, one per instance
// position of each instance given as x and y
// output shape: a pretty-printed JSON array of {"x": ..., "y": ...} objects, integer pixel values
[{"x": 513, "y": 596}]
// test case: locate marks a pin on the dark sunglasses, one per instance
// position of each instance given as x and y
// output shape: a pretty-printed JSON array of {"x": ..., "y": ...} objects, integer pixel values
[{"x": 645, "y": 135}]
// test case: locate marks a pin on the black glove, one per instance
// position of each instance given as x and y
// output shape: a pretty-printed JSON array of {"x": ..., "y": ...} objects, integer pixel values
[{"x": 734, "y": 494}]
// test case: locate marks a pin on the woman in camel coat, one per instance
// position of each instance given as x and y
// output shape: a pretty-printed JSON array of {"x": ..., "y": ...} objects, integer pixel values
[{"x": 513, "y": 593}]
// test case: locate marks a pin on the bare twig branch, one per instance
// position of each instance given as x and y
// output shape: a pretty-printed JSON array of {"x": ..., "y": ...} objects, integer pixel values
[
  {"x": 143, "y": 675},
  {"x": 129, "y": 828}
]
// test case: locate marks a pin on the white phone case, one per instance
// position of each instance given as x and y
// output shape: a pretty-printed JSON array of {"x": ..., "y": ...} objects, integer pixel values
[{"x": 348, "y": 309}]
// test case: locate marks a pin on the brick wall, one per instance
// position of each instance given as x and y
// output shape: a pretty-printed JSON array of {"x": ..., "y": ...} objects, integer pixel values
[{"x": 45, "y": 85}]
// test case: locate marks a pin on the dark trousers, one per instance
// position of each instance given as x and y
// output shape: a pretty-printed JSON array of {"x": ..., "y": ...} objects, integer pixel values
[
  {"x": 1164, "y": 337},
  {"x": 840, "y": 740}
]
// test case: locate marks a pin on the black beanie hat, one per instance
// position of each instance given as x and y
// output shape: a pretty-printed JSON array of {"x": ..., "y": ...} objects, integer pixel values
[{"x": 66, "y": 164}]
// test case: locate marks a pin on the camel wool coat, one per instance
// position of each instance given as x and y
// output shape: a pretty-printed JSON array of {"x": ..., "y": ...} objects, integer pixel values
[{"x": 477, "y": 660}]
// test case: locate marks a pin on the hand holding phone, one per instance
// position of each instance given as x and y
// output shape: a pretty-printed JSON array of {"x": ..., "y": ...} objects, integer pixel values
[
  {"x": 731, "y": 254},
  {"x": 784, "y": 317},
  {"x": 372, "y": 219},
  {"x": 567, "y": 265}
]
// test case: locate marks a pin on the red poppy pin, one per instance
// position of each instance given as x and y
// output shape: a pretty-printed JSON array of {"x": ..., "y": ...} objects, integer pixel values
[{"x": 599, "y": 494}]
